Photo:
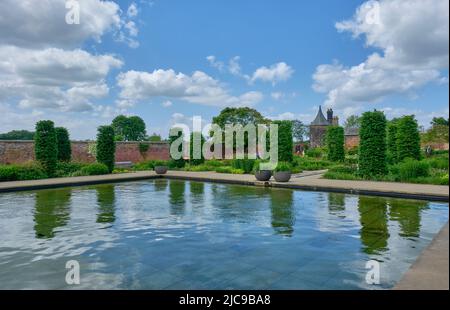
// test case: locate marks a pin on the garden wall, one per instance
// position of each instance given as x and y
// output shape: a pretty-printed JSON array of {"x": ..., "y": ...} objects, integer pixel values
[
  {"x": 14, "y": 152},
  {"x": 351, "y": 141}
]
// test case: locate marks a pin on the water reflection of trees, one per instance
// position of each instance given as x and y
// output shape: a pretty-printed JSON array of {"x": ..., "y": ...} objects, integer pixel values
[
  {"x": 160, "y": 185},
  {"x": 52, "y": 210},
  {"x": 197, "y": 190},
  {"x": 336, "y": 204},
  {"x": 177, "y": 197},
  {"x": 374, "y": 222},
  {"x": 282, "y": 208},
  {"x": 408, "y": 214},
  {"x": 106, "y": 198}
]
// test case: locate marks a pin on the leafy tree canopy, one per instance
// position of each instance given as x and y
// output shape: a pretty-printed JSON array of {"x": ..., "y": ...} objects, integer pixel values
[
  {"x": 299, "y": 130},
  {"x": 130, "y": 128},
  {"x": 17, "y": 135},
  {"x": 353, "y": 121},
  {"x": 242, "y": 116},
  {"x": 439, "y": 121}
]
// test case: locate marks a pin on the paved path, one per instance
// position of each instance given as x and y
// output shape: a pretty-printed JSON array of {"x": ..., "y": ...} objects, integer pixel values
[{"x": 430, "y": 271}]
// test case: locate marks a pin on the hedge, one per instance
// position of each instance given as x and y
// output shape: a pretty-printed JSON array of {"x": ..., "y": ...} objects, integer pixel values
[
  {"x": 408, "y": 138},
  {"x": 372, "y": 148},
  {"x": 45, "y": 146},
  {"x": 64, "y": 149},
  {"x": 106, "y": 147},
  {"x": 285, "y": 146},
  {"x": 335, "y": 143},
  {"x": 391, "y": 140},
  {"x": 192, "y": 160}
]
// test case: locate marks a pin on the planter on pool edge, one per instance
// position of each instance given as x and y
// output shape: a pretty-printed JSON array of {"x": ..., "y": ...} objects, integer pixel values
[
  {"x": 263, "y": 175},
  {"x": 160, "y": 169},
  {"x": 282, "y": 176}
]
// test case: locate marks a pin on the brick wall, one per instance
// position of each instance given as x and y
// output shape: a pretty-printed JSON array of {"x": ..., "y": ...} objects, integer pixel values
[
  {"x": 351, "y": 141},
  {"x": 12, "y": 152}
]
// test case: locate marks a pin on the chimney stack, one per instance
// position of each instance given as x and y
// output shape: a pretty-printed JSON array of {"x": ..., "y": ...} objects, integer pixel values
[{"x": 330, "y": 116}]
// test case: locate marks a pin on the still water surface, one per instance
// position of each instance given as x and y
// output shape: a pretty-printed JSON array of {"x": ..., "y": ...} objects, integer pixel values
[{"x": 162, "y": 234}]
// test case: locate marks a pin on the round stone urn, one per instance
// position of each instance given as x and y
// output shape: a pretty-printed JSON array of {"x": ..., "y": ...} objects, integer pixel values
[
  {"x": 263, "y": 175},
  {"x": 282, "y": 176},
  {"x": 160, "y": 169}
]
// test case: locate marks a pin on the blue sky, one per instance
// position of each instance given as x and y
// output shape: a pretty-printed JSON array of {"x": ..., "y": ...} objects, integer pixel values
[{"x": 283, "y": 58}]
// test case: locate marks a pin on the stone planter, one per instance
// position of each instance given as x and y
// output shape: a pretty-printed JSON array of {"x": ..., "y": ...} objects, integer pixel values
[
  {"x": 160, "y": 169},
  {"x": 282, "y": 176},
  {"x": 263, "y": 175}
]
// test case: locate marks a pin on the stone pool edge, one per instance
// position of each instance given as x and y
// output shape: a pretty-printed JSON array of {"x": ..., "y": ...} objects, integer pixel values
[{"x": 308, "y": 183}]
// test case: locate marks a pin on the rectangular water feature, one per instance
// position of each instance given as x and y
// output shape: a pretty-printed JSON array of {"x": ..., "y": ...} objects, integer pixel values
[{"x": 171, "y": 234}]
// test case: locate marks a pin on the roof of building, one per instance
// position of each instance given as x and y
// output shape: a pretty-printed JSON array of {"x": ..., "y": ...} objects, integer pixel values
[
  {"x": 351, "y": 131},
  {"x": 320, "y": 119}
]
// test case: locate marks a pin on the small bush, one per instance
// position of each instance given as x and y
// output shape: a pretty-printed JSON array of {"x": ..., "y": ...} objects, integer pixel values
[
  {"x": 343, "y": 169},
  {"x": 65, "y": 169},
  {"x": 410, "y": 169},
  {"x": 353, "y": 151},
  {"x": 95, "y": 169},
  {"x": 214, "y": 163},
  {"x": 308, "y": 163},
  {"x": 283, "y": 166},
  {"x": 145, "y": 165},
  {"x": 179, "y": 163},
  {"x": 224, "y": 169},
  {"x": 28, "y": 171},
  {"x": 159, "y": 163},
  {"x": 243, "y": 164},
  {"x": 438, "y": 162},
  {"x": 316, "y": 152}
]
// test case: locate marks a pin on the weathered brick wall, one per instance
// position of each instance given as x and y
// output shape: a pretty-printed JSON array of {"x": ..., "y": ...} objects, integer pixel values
[
  {"x": 351, "y": 142},
  {"x": 12, "y": 152}
]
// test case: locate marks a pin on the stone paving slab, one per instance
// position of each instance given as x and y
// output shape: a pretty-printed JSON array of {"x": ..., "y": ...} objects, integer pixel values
[{"x": 430, "y": 271}]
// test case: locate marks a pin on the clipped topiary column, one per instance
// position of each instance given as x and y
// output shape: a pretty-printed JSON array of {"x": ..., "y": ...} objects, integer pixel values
[
  {"x": 45, "y": 146},
  {"x": 106, "y": 147},
  {"x": 64, "y": 149},
  {"x": 285, "y": 145},
  {"x": 196, "y": 140},
  {"x": 372, "y": 147},
  {"x": 392, "y": 154},
  {"x": 408, "y": 138},
  {"x": 335, "y": 143}
]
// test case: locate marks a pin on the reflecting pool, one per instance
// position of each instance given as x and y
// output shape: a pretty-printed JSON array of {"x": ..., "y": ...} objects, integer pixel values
[{"x": 170, "y": 234}]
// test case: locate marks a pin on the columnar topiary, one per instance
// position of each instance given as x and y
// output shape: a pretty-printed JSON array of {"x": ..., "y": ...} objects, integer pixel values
[
  {"x": 391, "y": 140},
  {"x": 45, "y": 146},
  {"x": 408, "y": 138},
  {"x": 335, "y": 143},
  {"x": 199, "y": 137},
  {"x": 64, "y": 150},
  {"x": 372, "y": 147},
  {"x": 285, "y": 146},
  {"x": 177, "y": 163},
  {"x": 106, "y": 146}
]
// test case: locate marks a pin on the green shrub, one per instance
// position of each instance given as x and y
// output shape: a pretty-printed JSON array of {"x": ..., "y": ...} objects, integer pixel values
[
  {"x": 335, "y": 143},
  {"x": 224, "y": 169},
  {"x": 106, "y": 146},
  {"x": 372, "y": 147},
  {"x": 408, "y": 138},
  {"x": 179, "y": 163},
  {"x": 95, "y": 169},
  {"x": 351, "y": 159},
  {"x": 143, "y": 148},
  {"x": 353, "y": 151},
  {"x": 237, "y": 171},
  {"x": 65, "y": 169},
  {"x": 308, "y": 163},
  {"x": 438, "y": 162},
  {"x": 283, "y": 166},
  {"x": 145, "y": 165},
  {"x": 410, "y": 169},
  {"x": 160, "y": 163},
  {"x": 45, "y": 146},
  {"x": 285, "y": 146},
  {"x": 391, "y": 142},
  {"x": 214, "y": 163},
  {"x": 340, "y": 176},
  {"x": 64, "y": 149},
  {"x": 28, "y": 171},
  {"x": 316, "y": 152},
  {"x": 343, "y": 169},
  {"x": 243, "y": 164}
]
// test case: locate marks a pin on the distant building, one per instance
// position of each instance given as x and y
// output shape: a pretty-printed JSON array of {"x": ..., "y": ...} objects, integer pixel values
[{"x": 318, "y": 130}]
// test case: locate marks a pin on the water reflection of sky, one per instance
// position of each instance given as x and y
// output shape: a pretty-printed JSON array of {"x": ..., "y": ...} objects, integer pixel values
[{"x": 175, "y": 234}]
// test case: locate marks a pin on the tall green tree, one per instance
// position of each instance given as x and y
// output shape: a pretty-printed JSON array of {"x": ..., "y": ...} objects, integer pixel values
[
  {"x": 242, "y": 116},
  {"x": 408, "y": 138},
  {"x": 335, "y": 143},
  {"x": 17, "y": 135},
  {"x": 130, "y": 128},
  {"x": 299, "y": 130},
  {"x": 372, "y": 146},
  {"x": 439, "y": 121},
  {"x": 353, "y": 121},
  {"x": 106, "y": 146},
  {"x": 179, "y": 163},
  {"x": 285, "y": 145},
  {"x": 64, "y": 149},
  {"x": 45, "y": 146},
  {"x": 391, "y": 140}
]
